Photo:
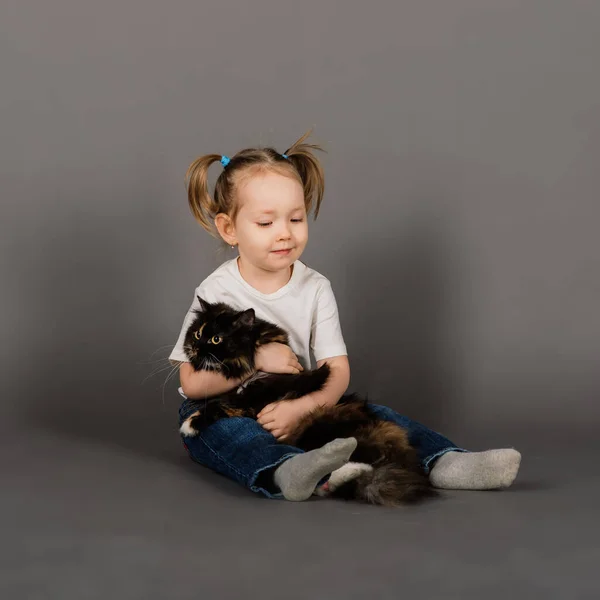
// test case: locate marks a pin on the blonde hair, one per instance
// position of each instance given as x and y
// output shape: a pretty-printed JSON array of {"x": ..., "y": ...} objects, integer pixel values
[{"x": 299, "y": 163}]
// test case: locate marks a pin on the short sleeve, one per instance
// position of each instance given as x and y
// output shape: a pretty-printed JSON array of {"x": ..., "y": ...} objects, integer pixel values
[
  {"x": 178, "y": 355},
  {"x": 326, "y": 338}
]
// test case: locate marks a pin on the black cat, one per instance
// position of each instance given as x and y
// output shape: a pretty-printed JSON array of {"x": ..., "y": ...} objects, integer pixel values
[{"x": 384, "y": 468}]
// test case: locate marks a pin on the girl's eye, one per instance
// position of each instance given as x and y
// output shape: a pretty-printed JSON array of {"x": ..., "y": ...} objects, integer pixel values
[
  {"x": 297, "y": 220},
  {"x": 215, "y": 339},
  {"x": 264, "y": 224}
]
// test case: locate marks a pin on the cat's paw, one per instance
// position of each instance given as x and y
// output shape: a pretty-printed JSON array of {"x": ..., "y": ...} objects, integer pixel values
[
  {"x": 187, "y": 429},
  {"x": 348, "y": 472}
]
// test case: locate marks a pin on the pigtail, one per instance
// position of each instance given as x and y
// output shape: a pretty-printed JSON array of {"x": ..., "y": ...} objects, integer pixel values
[
  {"x": 301, "y": 155},
  {"x": 203, "y": 207}
]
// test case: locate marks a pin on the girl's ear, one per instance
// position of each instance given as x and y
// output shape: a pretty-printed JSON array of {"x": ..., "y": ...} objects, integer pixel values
[{"x": 226, "y": 228}]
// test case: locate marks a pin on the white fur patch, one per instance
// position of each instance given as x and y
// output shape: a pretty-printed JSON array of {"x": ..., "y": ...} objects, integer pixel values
[
  {"x": 347, "y": 472},
  {"x": 186, "y": 430}
]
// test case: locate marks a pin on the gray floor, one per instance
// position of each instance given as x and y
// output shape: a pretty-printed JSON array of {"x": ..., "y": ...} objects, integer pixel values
[{"x": 94, "y": 512}]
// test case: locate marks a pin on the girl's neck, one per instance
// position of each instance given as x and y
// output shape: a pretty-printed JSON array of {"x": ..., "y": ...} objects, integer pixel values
[{"x": 266, "y": 282}]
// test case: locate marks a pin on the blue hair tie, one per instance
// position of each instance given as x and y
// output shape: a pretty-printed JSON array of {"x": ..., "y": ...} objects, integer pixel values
[
  {"x": 225, "y": 160},
  {"x": 284, "y": 155}
]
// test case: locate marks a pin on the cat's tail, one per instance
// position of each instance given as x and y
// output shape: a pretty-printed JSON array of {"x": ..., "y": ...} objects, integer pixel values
[
  {"x": 387, "y": 485},
  {"x": 309, "y": 382}
]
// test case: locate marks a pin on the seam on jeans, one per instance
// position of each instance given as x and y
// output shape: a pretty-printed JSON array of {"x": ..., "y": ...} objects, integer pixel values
[
  {"x": 256, "y": 488},
  {"x": 275, "y": 464},
  {"x": 225, "y": 462},
  {"x": 427, "y": 461},
  {"x": 219, "y": 457}
]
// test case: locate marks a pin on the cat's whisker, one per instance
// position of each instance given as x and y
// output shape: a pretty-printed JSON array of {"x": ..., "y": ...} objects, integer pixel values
[
  {"x": 175, "y": 369},
  {"x": 208, "y": 363},
  {"x": 162, "y": 361},
  {"x": 152, "y": 362},
  {"x": 165, "y": 361},
  {"x": 219, "y": 361},
  {"x": 156, "y": 372},
  {"x": 170, "y": 346}
]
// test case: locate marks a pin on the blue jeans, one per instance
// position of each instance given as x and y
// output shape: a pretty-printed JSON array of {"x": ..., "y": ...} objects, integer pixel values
[{"x": 239, "y": 448}]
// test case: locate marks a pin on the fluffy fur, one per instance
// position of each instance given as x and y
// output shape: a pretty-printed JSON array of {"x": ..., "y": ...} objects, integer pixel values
[{"x": 224, "y": 340}]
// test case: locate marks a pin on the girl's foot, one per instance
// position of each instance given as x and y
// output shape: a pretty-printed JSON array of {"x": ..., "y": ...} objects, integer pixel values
[
  {"x": 298, "y": 476},
  {"x": 487, "y": 470}
]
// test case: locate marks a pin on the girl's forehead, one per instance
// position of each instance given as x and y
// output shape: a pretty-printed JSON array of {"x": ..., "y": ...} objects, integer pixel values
[{"x": 269, "y": 191}]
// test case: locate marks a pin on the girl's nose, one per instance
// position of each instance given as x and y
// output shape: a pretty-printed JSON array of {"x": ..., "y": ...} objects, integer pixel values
[{"x": 284, "y": 233}]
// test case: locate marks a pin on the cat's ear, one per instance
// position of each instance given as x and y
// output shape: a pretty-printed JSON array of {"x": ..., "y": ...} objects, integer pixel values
[
  {"x": 204, "y": 304},
  {"x": 245, "y": 319}
]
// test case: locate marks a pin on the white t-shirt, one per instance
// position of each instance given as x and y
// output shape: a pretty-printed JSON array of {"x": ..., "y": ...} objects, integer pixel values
[{"x": 305, "y": 307}]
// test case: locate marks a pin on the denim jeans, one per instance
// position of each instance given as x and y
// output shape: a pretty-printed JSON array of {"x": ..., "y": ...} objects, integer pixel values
[{"x": 239, "y": 448}]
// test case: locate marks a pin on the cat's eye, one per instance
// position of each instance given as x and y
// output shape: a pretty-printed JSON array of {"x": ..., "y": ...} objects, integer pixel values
[
  {"x": 215, "y": 339},
  {"x": 197, "y": 334}
]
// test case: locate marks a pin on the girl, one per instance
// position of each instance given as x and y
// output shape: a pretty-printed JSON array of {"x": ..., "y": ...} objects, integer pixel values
[{"x": 260, "y": 205}]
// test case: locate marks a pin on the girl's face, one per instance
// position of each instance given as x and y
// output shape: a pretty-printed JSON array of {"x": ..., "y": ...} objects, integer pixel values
[{"x": 271, "y": 226}]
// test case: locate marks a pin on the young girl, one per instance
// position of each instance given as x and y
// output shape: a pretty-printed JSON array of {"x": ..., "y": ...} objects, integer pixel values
[{"x": 260, "y": 205}]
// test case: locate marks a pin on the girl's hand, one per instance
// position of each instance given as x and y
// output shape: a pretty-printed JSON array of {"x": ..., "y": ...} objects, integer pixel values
[
  {"x": 281, "y": 418},
  {"x": 277, "y": 358}
]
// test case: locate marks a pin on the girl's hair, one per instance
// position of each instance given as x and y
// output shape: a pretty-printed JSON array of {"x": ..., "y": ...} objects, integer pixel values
[{"x": 298, "y": 162}]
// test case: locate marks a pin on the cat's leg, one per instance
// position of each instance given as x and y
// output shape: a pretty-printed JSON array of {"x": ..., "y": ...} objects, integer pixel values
[
  {"x": 202, "y": 414},
  {"x": 452, "y": 467},
  {"x": 275, "y": 387},
  {"x": 346, "y": 473},
  {"x": 189, "y": 427}
]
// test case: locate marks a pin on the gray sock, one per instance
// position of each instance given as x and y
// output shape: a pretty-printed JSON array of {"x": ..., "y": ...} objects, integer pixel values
[
  {"x": 298, "y": 476},
  {"x": 487, "y": 470}
]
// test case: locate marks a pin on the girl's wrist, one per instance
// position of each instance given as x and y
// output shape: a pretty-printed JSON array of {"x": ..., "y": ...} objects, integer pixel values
[{"x": 309, "y": 402}]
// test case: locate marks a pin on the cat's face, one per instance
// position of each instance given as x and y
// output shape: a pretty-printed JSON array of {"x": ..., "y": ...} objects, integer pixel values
[{"x": 220, "y": 339}]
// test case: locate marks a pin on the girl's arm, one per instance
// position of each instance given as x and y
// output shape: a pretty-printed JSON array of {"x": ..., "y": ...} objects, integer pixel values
[
  {"x": 281, "y": 418},
  {"x": 198, "y": 385},
  {"x": 336, "y": 385}
]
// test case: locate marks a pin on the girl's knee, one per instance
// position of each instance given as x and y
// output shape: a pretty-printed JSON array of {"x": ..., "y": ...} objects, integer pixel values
[{"x": 383, "y": 412}]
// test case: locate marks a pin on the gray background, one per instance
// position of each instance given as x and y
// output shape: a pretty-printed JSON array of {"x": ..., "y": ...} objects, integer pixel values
[{"x": 459, "y": 230}]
